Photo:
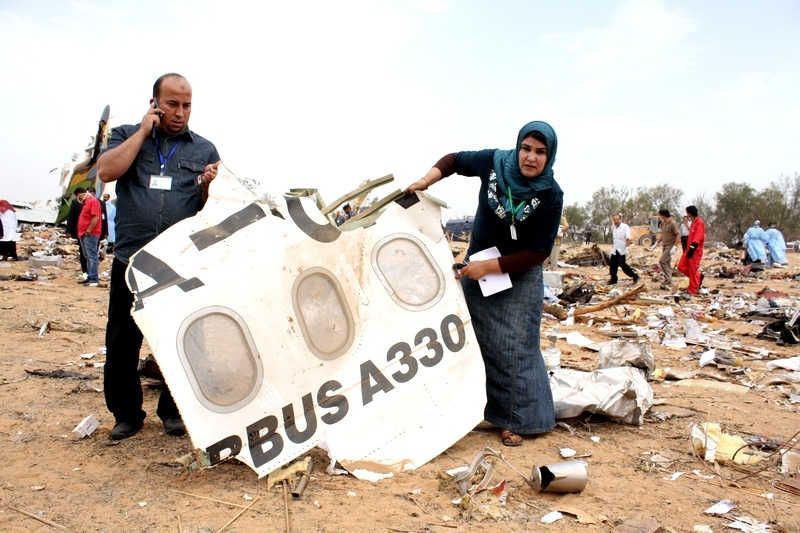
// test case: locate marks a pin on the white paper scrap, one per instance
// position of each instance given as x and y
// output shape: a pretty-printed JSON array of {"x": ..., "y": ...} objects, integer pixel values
[
  {"x": 674, "y": 343},
  {"x": 721, "y": 507},
  {"x": 551, "y": 517},
  {"x": 577, "y": 339},
  {"x": 707, "y": 357},
  {"x": 792, "y": 363},
  {"x": 749, "y": 525},
  {"x": 699, "y": 474},
  {"x": 492, "y": 283}
]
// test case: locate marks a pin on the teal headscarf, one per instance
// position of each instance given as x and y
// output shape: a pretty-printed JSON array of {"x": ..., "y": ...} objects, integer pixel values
[{"x": 506, "y": 167}]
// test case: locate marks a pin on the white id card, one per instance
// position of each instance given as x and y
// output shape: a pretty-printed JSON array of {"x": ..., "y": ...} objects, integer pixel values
[{"x": 163, "y": 183}]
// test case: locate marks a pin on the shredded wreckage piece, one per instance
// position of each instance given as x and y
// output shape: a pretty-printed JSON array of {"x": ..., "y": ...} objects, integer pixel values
[
  {"x": 789, "y": 484},
  {"x": 584, "y": 294},
  {"x": 61, "y": 374},
  {"x": 785, "y": 331}
]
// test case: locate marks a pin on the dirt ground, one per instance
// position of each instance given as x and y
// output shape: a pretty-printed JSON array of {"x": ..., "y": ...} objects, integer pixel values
[{"x": 50, "y": 480}]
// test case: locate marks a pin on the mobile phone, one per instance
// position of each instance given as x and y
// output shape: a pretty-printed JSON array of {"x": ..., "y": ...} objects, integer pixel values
[
  {"x": 458, "y": 266},
  {"x": 155, "y": 106}
]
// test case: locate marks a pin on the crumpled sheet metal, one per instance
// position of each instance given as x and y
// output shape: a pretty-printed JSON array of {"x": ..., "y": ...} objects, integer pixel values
[
  {"x": 627, "y": 353},
  {"x": 279, "y": 333},
  {"x": 620, "y": 393}
]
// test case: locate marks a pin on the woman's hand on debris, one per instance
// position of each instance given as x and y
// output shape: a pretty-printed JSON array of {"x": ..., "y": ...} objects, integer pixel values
[
  {"x": 425, "y": 181},
  {"x": 478, "y": 269},
  {"x": 419, "y": 185}
]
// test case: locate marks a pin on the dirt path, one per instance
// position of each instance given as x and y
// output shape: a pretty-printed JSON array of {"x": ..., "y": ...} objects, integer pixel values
[{"x": 49, "y": 477}]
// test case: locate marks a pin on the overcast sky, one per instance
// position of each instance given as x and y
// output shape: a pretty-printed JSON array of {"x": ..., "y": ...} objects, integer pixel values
[{"x": 326, "y": 94}]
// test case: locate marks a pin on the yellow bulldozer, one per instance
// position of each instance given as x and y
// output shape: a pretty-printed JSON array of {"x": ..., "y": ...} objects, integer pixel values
[{"x": 646, "y": 235}]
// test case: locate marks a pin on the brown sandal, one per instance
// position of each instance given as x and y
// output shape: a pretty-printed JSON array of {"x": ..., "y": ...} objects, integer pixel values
[{"x": 510, "y": 438}]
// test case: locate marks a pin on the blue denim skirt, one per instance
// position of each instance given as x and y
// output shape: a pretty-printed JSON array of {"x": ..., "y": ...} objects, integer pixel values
[{"x": 507, "y": 326}]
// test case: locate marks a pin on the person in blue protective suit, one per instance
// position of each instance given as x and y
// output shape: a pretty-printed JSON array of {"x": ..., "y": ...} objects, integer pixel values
[
  {"x": 776, "y": 246},
  {"x": 755, "y": 243},
  {"x": 519, "y": 210}
]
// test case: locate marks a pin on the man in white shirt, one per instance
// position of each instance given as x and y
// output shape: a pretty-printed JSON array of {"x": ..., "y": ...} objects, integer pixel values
[{"x": 621, "y": 234}]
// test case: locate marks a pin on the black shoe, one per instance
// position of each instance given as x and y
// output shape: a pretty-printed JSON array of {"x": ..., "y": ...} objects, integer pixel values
[
  {"x": 702, "y": 277},
  {"x": 124, "y": 430},
  {"x": 174, "y": 426},
  {"x": 84, "y": 282},
  {"x": 635, "y": 280}
]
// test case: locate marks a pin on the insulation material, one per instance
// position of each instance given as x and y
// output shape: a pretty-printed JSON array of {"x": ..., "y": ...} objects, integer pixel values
[
  {"x": 710, "y": 442},
  {"x": 620, "y": 393}
]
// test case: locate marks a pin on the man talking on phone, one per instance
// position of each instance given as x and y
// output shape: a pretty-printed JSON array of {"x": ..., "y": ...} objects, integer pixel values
[{"x": 162, "y": 171}]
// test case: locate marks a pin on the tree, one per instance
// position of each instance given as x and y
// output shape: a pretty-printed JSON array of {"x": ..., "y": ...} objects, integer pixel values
[
  {"x": 781, "y": 204},
  {"x": 578, "y": 220},
  {"x": 737, "y": 208},
  {"x": 606, "y": 202},
  {"x": 648, "y": 200}
]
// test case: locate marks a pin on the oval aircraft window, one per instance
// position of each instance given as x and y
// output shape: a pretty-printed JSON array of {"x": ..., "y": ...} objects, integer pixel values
[
  {"x": 220, "y": 359},
  {"x": 408, "y": 272},
  {"x": 323, "y": 314}
]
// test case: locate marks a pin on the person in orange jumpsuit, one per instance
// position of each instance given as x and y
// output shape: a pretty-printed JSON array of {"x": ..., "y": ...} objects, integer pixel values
[{"x": 689, "y": 262}]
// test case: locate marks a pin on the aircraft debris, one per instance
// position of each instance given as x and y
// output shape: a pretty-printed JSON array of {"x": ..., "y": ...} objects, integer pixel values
[{"x": 264, "y": 371}]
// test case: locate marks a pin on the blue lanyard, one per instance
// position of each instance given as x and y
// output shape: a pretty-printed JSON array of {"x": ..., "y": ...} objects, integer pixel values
[{"x": 161, "y": 156}]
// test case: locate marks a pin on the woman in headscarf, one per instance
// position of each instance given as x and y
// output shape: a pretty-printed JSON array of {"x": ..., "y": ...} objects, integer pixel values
[
  {"x": 519, "y": 209},
  {"x": 9, "y": 236}
]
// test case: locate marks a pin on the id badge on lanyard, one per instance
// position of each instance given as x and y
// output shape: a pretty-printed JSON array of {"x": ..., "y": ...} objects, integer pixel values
[{"x": 162, "y": 182}]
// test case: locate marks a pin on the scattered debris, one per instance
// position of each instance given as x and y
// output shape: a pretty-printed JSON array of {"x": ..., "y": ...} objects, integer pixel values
[
  {"x": 298, "y": 467},
  {"x": 637, "y": 354},
  {"x": 710, "y": 443},
  {"x": 61, "y": 374},
  {"x": 714, "y": 385},
  {"x": 637, "y": 525},
  {"x": 790, "y": 484},
  {"x": 149, "y": 368},
  {"x": 86, "y": 427},
  {"x": 721, "y": 507},
  {"x": 551, "y": 517},
  {"x": 582, "y": 516},
  {"x": 28, "y": 275},
  {"x": 45, "y": 261},
  {"x": 563, "y": 477},
  {"x": 620, "y": 393},
  {"x": 304, "y": 477}
]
